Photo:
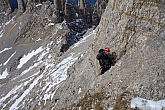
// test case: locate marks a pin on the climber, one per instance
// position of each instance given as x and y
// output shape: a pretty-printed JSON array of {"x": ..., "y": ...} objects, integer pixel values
[{"x": 105, "y": 59}]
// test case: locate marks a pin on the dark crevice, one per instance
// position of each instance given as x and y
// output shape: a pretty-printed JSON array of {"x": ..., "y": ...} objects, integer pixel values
[{"x": 24, "y": 5}]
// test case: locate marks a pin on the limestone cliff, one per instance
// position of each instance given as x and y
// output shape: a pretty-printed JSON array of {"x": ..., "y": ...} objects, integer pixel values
[
  {"x": 97, "y": 10},
  {"x": 50, "y": 65},
  {"x": 135, "y": 31}
]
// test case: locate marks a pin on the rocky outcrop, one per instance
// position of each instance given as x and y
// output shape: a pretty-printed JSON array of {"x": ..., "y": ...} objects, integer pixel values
[
  {"x": 97, "y": 10},
  {"x": 59, "y": 4},
  {"x": 69, "y": 11},
  {"x": 135, "y": 31},
  {"x": 82, "y": 5},
  {"x": 4, "y": 5},
  {"x": 21, "y": 5},
  {"x": 4, "y": 11},
  {"x": 92, "y": 15}
]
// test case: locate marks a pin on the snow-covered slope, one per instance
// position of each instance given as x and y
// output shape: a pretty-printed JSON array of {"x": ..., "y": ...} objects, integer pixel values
[
  {"x": 33, "y": 72},
  {"x": 41, "y": 82},
  {"x": 144, "y": 104}
]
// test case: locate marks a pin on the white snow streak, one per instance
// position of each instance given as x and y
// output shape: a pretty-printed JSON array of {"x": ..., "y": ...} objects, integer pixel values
[
  {"x": 59, "y": 39},
  {"x": 13, "y": 91},
  {"x": 28, "y": 57},
  {"x": 63, "y": 66},
  {"x": 58, "y": 27},
  {"x": 38, "y": 5},
  {"x": 26, "y": 92},
  {"x": 10, "y": 21},
  {"x": 46, "y": 96},
  {"x": 38, "y": 39},
  {"x": 5, "y": 49},
  {"x": 9, "y": 58},
  {"x": 60, "y": 73},
  {"x": 35, "y": 65},
  {"x": 84, "y": 39},
  {"x": 77, "y": 15},
  {"x": 4, "y": 74},
  {"x": 2, "y": 13},
  {"x": 51, "y": 24},
  {"x": 79, "y": 91},
  {"x": 1, "y": 33},
  {"x": 144, "y": 104}
]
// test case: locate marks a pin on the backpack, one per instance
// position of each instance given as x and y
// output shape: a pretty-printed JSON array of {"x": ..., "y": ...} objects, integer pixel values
[
  {"x": 101, "y": 50},
  {"x": 112, "y": 56}
]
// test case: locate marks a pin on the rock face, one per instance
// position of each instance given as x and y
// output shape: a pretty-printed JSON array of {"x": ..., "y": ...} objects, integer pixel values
[
  {"x": 92, "y": 15},
  {"x": 135, "y": 31},
  {"x": 4, "y": 10},
  {"x": 63, "y": 10},
  {"x": 42, "y": 67},
  {"x": 97, "y": 10},
  {"x": 4, "y": 5}
]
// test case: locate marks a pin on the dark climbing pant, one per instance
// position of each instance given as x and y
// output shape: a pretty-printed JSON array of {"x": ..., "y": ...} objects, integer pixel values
[{"x": 104, "y": 68}]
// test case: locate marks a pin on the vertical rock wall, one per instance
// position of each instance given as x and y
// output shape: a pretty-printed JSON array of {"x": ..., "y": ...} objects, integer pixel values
[
  {"x": 135, "y": 31},
  {"x": 5, "y": 9}
]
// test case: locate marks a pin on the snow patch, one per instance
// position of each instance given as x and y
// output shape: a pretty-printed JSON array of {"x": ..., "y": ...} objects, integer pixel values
[
  {"x": 51, "y": 24},
  {"x": 38, "y": 39},
  {"x": 84, "y": 39},
  {"x": 144, "y": 104},
  {"x": 110, "y": 108},
  {"x": 4, "y": 74},
  {"x": 77, "y": 15},
  {"x": 35, "y": 65},
  {"x": 10, "y": 21},
  {"x": 5, "y": 49},
  {"x": 38, "y": 5},
  {"x": 9, "y": 58},
  {"x": 59, "y": 74},
  {"x": 2, "y": 13},
  {"x": 46, "y": 96},
  {"x": 1, "y": 33},
  {"x": 26, "y": 92},
  {"x": 28, "y": 57},
  {"x": 62, "y": 67},
  {"x": 59, "y": 39},
  {"x": 13, "y": 91},
  {"x": 79, "y": 91},
  {"x": 58, "y": 27}
]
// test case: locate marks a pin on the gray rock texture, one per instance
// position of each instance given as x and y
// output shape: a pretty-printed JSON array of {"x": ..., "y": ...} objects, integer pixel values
[
  {"x": 134, "y": 30},
  {"x": 97, "y": 10},
  {"x": 52, "y": 65},
  {"x": 4, "y": 11}
]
